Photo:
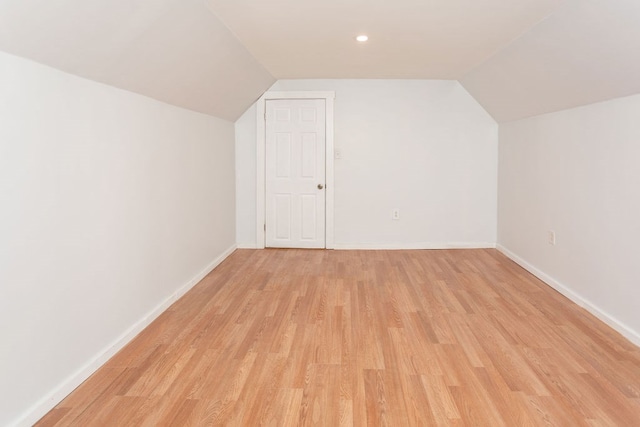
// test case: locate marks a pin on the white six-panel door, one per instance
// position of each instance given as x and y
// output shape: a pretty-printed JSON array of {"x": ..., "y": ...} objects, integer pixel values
[{"x": 295, "y": 173}]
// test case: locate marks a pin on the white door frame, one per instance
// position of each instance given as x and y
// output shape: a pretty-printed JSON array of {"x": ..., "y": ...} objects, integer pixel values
[{"x": 260, "y": 163}]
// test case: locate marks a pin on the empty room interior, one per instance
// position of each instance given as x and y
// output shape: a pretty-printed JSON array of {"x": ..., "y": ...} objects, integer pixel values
[{"x": 345, "y": 212}]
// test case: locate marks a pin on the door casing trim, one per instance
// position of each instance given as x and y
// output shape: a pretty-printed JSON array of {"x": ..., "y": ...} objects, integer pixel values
[{"x": 328, "y": 97}]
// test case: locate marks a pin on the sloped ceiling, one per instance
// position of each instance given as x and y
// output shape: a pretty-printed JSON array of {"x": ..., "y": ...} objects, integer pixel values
[
  {"x": 517, "y": 57},
  {"x": 586, "y": 51},
  {"x": 176, "y": 51}
]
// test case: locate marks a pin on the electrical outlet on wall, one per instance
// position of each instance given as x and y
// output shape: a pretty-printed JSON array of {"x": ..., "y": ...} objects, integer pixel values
[
  {"x": 395, "y": 214},
  {"x": 337, "y": 153},
  {"x": 551, "y": 237}
]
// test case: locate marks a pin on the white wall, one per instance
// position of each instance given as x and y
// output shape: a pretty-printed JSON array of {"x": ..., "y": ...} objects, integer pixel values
[
  {"x": 110, "y": 204},
  {"x": 424, "y": 147},
  {"x": 577, "y": 172},
  {"x": 245, "y": 129}
]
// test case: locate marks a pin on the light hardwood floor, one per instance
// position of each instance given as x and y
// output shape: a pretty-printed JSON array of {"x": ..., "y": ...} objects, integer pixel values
[{"x": 398, "y": 338}]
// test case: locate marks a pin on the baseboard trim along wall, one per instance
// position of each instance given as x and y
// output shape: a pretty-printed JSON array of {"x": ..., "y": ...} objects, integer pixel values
[
  {"x": 396, "y": 246},
  {"x": 620, "y": 327},
  {"x": 47, "y": 403},
  {"x": 400, "y": 246},
  {"x": 247, "y": 246}
]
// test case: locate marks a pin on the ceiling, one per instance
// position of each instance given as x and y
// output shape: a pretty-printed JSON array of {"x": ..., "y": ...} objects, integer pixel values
[
  {"x": 418, "y": 39},
  {"x": 586, "y": 51},
  {"x": 518, "y": 58},
  {"x": 175, "y": 51}
]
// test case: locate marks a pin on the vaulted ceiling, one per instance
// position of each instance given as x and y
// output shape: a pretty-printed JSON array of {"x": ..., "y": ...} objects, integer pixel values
[
  {"x": 175, "y": 51},
  {"x": 585, "y": 51},
  {"x": 518, "y": 58}
]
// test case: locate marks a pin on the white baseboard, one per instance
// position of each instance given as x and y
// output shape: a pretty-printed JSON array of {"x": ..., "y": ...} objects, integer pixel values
[
  {"x": 47, "y": 403},
  {"x": 397, "y": 246},
  {"x": 623, "y": 329},
  {"x": 421, "y": 245},
  {"x": 247, "y": 246}
]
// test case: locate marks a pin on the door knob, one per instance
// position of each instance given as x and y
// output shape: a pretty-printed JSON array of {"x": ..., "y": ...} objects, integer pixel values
[{"x": 320, "y": 186}]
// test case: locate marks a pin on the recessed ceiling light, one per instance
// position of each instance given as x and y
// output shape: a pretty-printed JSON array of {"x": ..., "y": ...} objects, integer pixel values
[{"x": 362, "y": 38}]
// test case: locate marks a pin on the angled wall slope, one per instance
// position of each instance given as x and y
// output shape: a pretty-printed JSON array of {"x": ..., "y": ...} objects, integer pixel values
[
  {"x": 175, "y": 51},
  {"x": 584, "y": 52}
]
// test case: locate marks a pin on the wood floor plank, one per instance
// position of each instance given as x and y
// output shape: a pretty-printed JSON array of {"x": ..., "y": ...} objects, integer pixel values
[
  {"x": 355, "y": 338},
  {"x": 441, "y": 403}
]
